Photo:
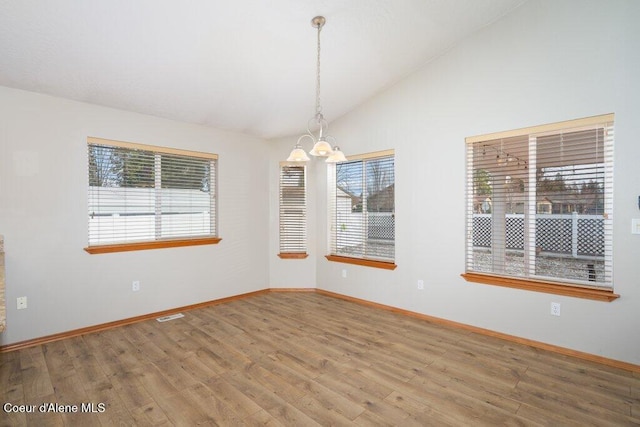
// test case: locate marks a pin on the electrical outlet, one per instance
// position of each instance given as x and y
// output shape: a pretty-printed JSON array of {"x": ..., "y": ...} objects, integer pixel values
[
  {"x": 21, "y": 303},
  {"x": 344, "y": 274},
  {"x": 555, "y": 309},
  {"x": 135, "y": 285},
  {"x": 420, "y": 284}
]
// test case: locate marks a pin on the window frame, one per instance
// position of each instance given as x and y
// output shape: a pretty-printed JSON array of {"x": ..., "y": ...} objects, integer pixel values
[
  {"x": 560, "y": 287},
  {"x": 168, "y": 242},
  {"x": 332, "y": 212},
  {"x": 287, "y": 247}
]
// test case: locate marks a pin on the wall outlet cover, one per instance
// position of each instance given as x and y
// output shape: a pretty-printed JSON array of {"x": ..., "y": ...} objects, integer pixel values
[{"x": 555, "y": 309}]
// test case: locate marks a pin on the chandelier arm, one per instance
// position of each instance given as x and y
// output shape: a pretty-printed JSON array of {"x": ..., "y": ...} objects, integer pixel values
[
  {"x": 324, "y": 125},
  {"x": 306, "y": 135}
]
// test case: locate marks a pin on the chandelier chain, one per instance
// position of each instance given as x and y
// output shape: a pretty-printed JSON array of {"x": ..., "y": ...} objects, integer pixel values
[{"x": 318, "y": 106}]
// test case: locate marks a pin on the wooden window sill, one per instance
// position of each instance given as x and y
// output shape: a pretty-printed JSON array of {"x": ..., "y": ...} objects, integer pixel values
[
  {"x": 292, "y": 255},
  {"x": 365, "y": 262},
  {"x": 159, "y": 244},
  {"x": 541, "y": 286}
]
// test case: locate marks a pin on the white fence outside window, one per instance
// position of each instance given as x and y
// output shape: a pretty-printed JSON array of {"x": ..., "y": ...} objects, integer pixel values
[{"x": 572, "y": 234}]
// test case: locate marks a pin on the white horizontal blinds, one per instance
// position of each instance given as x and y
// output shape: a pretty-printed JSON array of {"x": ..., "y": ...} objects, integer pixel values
[
  {"x": 574, "y": 184},
  {"x": 608, "y": 202},
  {"x": 139, "y": 194},
  {"x": 497, "y": 201},
  {"x": 363, "y": 218},
  {"x": 293, "y": 209},
  {"x": 539, "y": 202},
  {"x": 332, "y": 207},
  {"x": 185, "y": 197},
  {"x": 471, "y": 208}
]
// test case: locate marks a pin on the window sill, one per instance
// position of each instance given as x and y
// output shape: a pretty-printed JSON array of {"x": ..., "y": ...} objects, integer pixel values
[
  {"x": 140, "y": 246},
  {"x": 293, "y": 255},
  {"x": 540, "y": 286},
  {"x": 365, "y": 262}
]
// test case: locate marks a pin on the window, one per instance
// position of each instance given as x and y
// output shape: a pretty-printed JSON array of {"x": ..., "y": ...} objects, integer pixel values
[
  {"x": 362, "y": 210},
  {"x": 539, "y": 208},
  {"x": 144, "y": 197},
  {"x": 293, "y": 211}
]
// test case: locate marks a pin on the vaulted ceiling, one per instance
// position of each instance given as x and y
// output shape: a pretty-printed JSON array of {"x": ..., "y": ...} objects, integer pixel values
[{"x": 241, "y": 65}]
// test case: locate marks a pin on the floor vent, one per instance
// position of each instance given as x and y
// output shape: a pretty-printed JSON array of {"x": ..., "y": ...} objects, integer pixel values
[{"x": 171, "y": 317}]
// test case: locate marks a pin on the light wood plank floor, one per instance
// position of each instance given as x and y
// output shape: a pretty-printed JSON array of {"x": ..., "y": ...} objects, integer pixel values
[{"x": 306, "y": 359}]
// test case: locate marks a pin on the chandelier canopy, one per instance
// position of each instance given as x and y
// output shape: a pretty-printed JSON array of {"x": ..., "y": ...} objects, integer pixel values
[{"x": 321, "y": 145}]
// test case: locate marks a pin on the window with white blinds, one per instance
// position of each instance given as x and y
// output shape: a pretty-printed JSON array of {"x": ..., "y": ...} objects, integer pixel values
[
  {"x": 540, "y": 201},
  {"x": 362, "y": 209},
  {"x": 293, "y": 211},
  {"x": 139, "y": 194}
]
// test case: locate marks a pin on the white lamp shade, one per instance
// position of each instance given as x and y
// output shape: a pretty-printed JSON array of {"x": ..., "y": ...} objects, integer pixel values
[
  {"x": 321, "y": 148},
  {"x": 337, "y": 156},
  {"x": 298, "y": 155}
]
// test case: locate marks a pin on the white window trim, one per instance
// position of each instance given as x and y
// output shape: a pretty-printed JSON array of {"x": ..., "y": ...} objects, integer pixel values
[
  {"x": 331, "y": 186},
  {"x": 603, "y": 293},
  {"x": 294, "y": 244},
  {"x": 156, "y": 242}
]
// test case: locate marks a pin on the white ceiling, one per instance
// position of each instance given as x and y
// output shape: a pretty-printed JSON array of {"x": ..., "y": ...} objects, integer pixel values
[{"x": 241, "y": 65}]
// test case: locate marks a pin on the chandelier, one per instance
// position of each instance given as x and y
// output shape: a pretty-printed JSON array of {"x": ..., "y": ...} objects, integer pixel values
[{"x": 321, "y": 145}]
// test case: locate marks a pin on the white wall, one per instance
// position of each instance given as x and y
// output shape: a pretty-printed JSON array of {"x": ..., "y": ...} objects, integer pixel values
[
  {"x": 549, "y": 61},
  {"x": 43, "y": 216}
]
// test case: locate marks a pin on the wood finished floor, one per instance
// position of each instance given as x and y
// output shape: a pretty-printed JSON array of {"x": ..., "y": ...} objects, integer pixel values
[{"x": 303, "y": 359}]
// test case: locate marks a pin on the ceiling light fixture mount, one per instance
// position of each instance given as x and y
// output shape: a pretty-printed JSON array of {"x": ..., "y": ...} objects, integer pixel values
[{"x": 321, "y": 145}]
